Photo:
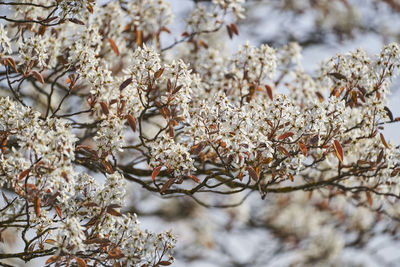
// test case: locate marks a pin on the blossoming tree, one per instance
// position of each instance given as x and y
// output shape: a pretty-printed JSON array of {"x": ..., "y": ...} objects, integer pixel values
[{"x": 103, "y": 92}]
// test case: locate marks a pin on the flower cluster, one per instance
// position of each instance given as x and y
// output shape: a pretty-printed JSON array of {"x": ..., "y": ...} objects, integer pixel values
[
  {"x": 40, "y": 171},
  {"x": 211, "y": 18},
  {"x": 4, "y": 41}
]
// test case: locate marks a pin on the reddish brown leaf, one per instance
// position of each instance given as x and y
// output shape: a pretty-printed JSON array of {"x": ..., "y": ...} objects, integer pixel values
[
  {"x": 165, "y": 263},
  {"x": 155, "y": 172},
  {"x": 125, "y": 83},
  {"x": 369, "y": 198},
  {"x": 36, "y": 206},
  {"x": 139, "y": 38},
  {"x": 284, "y": 151},
  {"x": 309, "y": 195},
  {"x": 113, "y": 212},
  {"x": 303, "y": 148},
  {"x": 395, "y": 172},
  {"x": 285, "y": 135},
  {"x": 338, "y": 150},
  {"x": 76, "y": 21},
  {"x": 11, "y": 62},
  {"x": 196, "y": 149},
  {"x": 234, "y": 29},
  {"x": 253, "y": 174},
  {"x": 5, "y": 197},
  {"x": 24, "y": 174},
  {"x": 176, "y": 90},
  {"x": 38, "y": 76},
  {"x": 80, "y": 262},
  {"x": 338, "y": 76},
  {"x": 194, "y": 178},
  {"x": 230, "y": 33},
  {"x": 52, "y": 259},
  {"x": 320, "y": 97},
  {"x": 113, "y": 46},
  {"x": 389, "y": 113},
  {"x": 171, "y": 131},
  {"x": 102, "y": 241},
  {"x": 158, "y": 73},
  {"x": 115, "y": 253},
  {"x": 89, "y": 7},
  {"x": 291, "y": 178},
  {"x": 383, "y": 140},
  {"x": 107, "y": 166},
  {"x": 58, "y": 211},
  {"x": 203, "y": 44},
  {"x": 104, "y": 108},
  {"x": 164, "y": 29},
  {"x": 240, "y": 176},
  {"x": 380, "y": 156},
  {"x": 167, "y": 184},
  {"x": 131, "y": 121},
  {"x": 269, "y": 92},
  {"x": 50, "y": 241},
  {"x": 4, "y": 143}
]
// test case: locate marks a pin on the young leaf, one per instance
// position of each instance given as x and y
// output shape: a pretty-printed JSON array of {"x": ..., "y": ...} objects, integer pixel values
[
  {"x": 58, "y": 211},
  {"x": 383, "y": 140},
  {"x": 131, "y": 121},
  {"x": 338, "y": 76},
  {"x": 24, "y": 174},
  {"x": 104, "y": 108},
  {"x": 303, "y": 148},
  {"x": 230, "y": 33},
  {"x": 380, "y": 156},
  {"x": 113, "y": 46},
  {"x": 338, "y": 150},
  {"x": 291, "y": 178},
  {"x": 80, "y": 262},
  {"x": 125, "y": 83},
  {"x": 234, "y": 29},
  {"x": 38, "y": 76},
  {"x": 285, "y": 135},
  {"x": 164, "y": 263},
  {"x": 155, "y": 172},
  {"x": 76, "y": 21},
  {"x": 167, "y": 184},
  {"x": 269, "y": 91},
  {"x": 369, "y": 198},
  {"x": 158, "y": 73},
  {"x": 113, "y": 212},
  {"x": 194, "y": 178},
  {"x": 11, "y": 62},
  {"x": 36, "y": 206},
  {"x": 139, "y": 38},
  {"x": 253, "y": 174},
  {"x": 284, "y": 151},
  {"x": 107, "y": 166},
  {"x": 52, "y": 259}
]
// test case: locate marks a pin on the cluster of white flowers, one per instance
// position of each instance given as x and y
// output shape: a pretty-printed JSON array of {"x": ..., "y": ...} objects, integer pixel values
[
  {"x": 209, "y": 18},
  {"x": 33, "y": 49},
  {"x": 43, "y": 161},
  {"x": 4, "y": 41},
  {"x": 173, "y": 82},
  {"x": 174, "y": 156},
  {"x": 75, "y": 7},
  {"x": 46, "y": 150},
  {"x": 150, "y": 15},
  {"x": 235, "y": 6},
  {"x": 256, "y": 64}
]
